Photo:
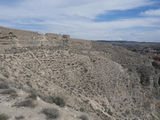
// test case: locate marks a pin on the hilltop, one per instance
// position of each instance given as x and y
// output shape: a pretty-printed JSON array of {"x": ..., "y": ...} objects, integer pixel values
[{"x": 89, "y": 79}]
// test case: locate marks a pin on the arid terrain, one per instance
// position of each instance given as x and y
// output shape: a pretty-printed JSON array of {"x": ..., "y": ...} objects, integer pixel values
[
  {"x": 50, "y": 76},
  {"x": 150, "y": 49}
]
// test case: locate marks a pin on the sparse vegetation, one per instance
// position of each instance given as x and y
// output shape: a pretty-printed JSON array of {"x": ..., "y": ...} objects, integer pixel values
[
  {"x": 85, "y": 70},
  {"x": 1, "y": 80},
  {"x": 3, "y": 117},
  {"x": 13, "y": 95},
  {"x": 58, "y": 101},
  {"x": 156, "y": 58},
  {"x": 6, "y": 75},
  {"x": 51, "y": 113},
  {"x": 8, "y": 91},
  {"x": 19, "y": 117},
  {"x": 156, "y": 64},
  {"x": 84, "y": 117},
  {"x": 26, "y": 103},
  {"x": 32, "y": 96},
  {"x": 3, "y": 86},
  {"x": 110, "y": 112},
  {"x": 82, "y": 109}
]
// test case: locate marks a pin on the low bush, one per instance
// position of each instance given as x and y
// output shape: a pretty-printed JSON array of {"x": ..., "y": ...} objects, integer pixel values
[
  {"x": 3, "y": 86},
  {"x": 19, "y": 117},
  {"x": 84, "y": 117},
  {"x": 2, "y": 80},
  {"x": 51, "y": 113},
  {"x": 156, "y": 64},
  {"x": 3, "y": 117},
  {"x": 26, "y": 103},
  {"x": 156, "y": 58},
  {"x": 59, "y": 101},
  {"x": 32, "y": 96}
]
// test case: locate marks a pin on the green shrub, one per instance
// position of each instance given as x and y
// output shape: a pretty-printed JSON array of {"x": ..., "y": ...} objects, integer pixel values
[
  {"x": 156, "y": 64},
  {"x": 58, "y": 101},
  {"x": 3, "y": 86},
  {"x": 84, "y": 117},
  {"x": 32, "y": 96},
  {"x": 3, "y": 117},
  {"x": 51, "y": 113},
  {"x": 19, "y": 117},
  {"x": 156, "y": 58}
]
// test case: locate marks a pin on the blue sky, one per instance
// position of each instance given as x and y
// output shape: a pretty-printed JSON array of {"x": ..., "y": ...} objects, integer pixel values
[{"x": 132, "y": 20}]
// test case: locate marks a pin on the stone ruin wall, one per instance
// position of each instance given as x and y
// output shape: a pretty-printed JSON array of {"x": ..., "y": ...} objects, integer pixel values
[{"x": 10, "y": 38}]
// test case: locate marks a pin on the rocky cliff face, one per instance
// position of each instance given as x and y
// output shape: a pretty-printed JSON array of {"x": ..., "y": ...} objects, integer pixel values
[{"x": 105, "y": 82}]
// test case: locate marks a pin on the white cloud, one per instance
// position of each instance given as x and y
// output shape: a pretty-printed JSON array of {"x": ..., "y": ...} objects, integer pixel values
[
  {"x": 76, "y": 18},
  {"x": 97, "y": 7},
  {"x": 71, "y": 8},
  {"x": 151, "y": 13},
  {"x": 105, "y": 30}
]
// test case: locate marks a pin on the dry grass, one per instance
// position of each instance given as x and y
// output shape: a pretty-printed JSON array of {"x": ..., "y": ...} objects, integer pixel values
[
  {"x": 26, "y": 103},
  {"x": 8, "y": 91},
  {"x": 13, "y": 95}
]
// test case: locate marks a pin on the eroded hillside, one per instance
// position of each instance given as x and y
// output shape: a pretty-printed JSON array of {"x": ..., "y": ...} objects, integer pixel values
[{"x": 105, "y": 82}]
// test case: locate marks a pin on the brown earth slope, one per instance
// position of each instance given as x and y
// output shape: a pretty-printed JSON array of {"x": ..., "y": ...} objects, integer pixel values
[{"x": 105, "y": 82}]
